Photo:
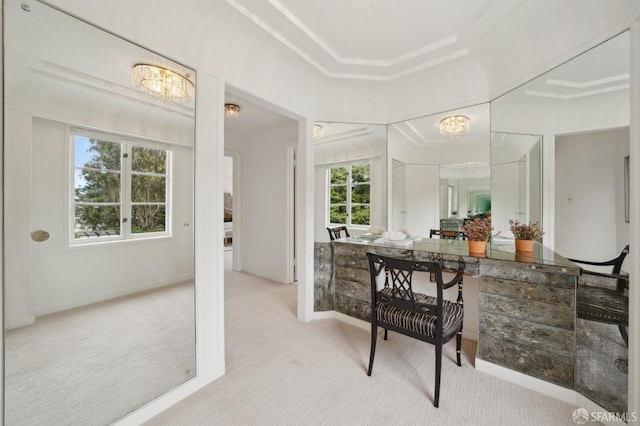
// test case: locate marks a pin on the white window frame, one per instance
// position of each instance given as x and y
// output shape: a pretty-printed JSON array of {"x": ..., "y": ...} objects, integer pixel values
[
  {"x": 126, "y": 144},
  {"x": 349, "y": 204}
]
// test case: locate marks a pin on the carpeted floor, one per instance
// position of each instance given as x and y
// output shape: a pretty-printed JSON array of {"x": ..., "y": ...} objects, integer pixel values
[
  {"x": 95, "y": 364},
  {"x": 281, "y": 371}
]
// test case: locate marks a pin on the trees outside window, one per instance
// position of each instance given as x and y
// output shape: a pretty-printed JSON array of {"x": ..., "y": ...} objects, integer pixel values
[
  {"x": 350, "y": 194},
  {"x": 120, "y": 190}
]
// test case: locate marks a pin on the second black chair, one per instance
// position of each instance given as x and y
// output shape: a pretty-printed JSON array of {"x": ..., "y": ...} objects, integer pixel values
[
  {"x": 397, "y": 307},
  {"x": 336, "y": 232},
  {"x": 606, "y": 305},
  {"x": 447, "y": 235}
]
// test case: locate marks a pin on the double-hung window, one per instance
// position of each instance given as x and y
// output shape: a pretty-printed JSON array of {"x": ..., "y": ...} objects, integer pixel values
[
  {"x": 120, "y": 189},
  {"x": 350, "y": 194}
]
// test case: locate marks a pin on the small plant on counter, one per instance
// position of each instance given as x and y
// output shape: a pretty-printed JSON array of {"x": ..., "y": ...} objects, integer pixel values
[
  {"x": 478, "y": 229},
  {"x": 523, "y": 231}
]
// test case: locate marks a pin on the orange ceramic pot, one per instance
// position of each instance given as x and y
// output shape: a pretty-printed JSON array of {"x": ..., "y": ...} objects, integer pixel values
[
  {"x": 477, "y": 246},
  {"x": 524, "y": 245}
]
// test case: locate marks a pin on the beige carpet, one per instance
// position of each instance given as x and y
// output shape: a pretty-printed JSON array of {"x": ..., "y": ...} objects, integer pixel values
[
  {"x": 95, "y": 364},
  {"x": 281, "y": 371}
]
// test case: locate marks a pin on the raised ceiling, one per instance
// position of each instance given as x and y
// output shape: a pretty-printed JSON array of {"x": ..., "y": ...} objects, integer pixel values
[
  {"x": 376, "y": 40},
  {"x": 384, "y": 40}
]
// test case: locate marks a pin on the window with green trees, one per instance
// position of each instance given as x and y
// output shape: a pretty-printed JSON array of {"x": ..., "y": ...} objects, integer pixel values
[
  {"x": 120, "y": 190},
  {"x": 350, "y": 194}
]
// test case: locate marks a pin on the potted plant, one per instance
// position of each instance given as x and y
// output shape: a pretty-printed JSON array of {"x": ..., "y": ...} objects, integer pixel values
[
  {"x": 478, "y": 232},
  {"x": 525, "y": 234}
]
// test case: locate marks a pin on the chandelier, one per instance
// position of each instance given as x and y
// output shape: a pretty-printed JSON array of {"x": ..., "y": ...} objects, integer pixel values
[
  {"x": 163, "y": 83},
  {"x": 455, "y": 125},
  {"x": 231, "y": 110}
]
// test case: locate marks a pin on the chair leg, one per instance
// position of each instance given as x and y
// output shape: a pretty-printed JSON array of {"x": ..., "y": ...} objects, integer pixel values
[
  {"x": 374, "y": 335},
  {"x": 459, "y": 346},
  {"x": 625, "y": 336},
  {"x": 436, "y": 399},
  {"x": 385, "y": 334}
]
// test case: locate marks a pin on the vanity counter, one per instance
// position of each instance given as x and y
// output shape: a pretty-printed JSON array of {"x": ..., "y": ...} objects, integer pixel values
[{"x": 526, "y": 302}]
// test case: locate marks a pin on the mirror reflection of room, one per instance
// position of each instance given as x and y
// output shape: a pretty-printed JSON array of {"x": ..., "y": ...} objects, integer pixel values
[
  {"x": 558, "y": 147},
  {"x": 441, "y": 176},
  {"x": 98, "y": 176}
]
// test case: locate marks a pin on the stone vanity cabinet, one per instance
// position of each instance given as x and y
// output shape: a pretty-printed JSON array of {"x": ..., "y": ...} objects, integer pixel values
[
  {"x": 527, "y": 322},
  {"x": 528, "y": 319}
]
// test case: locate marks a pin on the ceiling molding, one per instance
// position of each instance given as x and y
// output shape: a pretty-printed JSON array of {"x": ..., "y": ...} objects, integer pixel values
[
  {"x": 576, "y": 95},
  {"x": 342, "y": 61},
  {"x": 349, "y": 134},
  {"x": 599, "y": 82}
]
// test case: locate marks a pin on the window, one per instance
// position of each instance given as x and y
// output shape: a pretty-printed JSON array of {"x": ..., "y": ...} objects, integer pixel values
[
  {"x": 120, "y": 190},
  {"x": 350, "y": 194}
]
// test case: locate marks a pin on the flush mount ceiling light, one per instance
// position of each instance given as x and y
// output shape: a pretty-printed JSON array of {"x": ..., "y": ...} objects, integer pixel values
[
  {"x": 318, "y": 131},
  {"x": 163, "y": 83},
  {"x": 455, "y": 125},
  {"x": 231, "y": 110}
]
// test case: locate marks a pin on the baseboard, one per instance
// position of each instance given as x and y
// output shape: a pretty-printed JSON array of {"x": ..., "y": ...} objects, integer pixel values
[
  {"x": 365, "y": 325},
  {"x": 596, "y": 412},
  {"x": 11, "y": 323},
  {"x": 342, "y": 317},
  {"x": 108, "y": 295},
  {"x": 600, "y": 414},
  {"x": 167, "y": 400},
  {"x": 538, "y": 385}
]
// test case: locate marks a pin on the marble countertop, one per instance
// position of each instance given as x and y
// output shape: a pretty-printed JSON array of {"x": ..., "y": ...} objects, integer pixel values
[{"x": 497, "y": 251}]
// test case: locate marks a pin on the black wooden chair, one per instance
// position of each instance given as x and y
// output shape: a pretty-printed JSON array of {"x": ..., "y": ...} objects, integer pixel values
[
  {"x": 336, "y": 232},
  {"x": 397, "y": 307},
  {"x": 606, "y": 305},
  {"x": 616, "y": 263},
  {"x": 447, "y": 235}
]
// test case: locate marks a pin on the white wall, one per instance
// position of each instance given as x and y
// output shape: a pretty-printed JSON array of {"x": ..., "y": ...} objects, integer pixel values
[
  {"x": 263, "y": 219},
  {"x": 589, "y": 198},
  {"x": 17, "y": 224}
]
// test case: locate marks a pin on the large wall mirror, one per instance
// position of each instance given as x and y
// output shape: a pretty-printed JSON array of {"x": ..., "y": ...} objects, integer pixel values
[
  {"x": 350, "y": 176},
  {"x": 580, "y": 113},
  {"x": 516, "y": 179},
  {"x": 440, "y": 171},
  {"x": 99, "y": 243}
]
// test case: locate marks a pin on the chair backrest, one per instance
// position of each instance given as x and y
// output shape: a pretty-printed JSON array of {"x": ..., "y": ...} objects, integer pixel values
[
  {"x": 398, "y": 283},
  {"x": 447, "y": 235},
  {"x": 335, "y": 233},
  {"x": 615, "y": 263}
]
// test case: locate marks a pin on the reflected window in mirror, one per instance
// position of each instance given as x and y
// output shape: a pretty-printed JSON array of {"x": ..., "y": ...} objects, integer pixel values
[
  {"x": 350, "y": 177},
  {"x": 350, "y": 194},
  {"x": 119, "y": 190}
]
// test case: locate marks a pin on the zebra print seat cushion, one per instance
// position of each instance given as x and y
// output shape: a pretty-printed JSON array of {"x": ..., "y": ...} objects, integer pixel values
[{"x": 424, "y": 324}]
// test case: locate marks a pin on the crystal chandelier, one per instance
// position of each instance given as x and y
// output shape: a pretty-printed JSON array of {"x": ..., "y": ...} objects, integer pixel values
[
  {"x": 455, "y": 125},
  {"x": 231, "y": 110},
  {"x": 163, "y": 83}
]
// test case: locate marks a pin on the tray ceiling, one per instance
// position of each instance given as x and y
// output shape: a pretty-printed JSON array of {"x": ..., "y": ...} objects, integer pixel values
[{"x": 377, "y": 40}]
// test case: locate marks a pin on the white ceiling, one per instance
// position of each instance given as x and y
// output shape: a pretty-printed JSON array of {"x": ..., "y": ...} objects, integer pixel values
[
  {"x": 382, "y": 42},
  {"x": 376, "y": 40},
  {"x": 385, "y": 41}
]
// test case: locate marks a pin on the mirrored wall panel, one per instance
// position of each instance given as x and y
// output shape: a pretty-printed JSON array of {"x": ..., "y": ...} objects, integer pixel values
[
  {"x": 580, "y": 112},
  {"x": 351, "y": 172},
  {"x": 516, "y": 180},
  {"x": 99, "y": 244},
  {"x": 440, "y": 170}
]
